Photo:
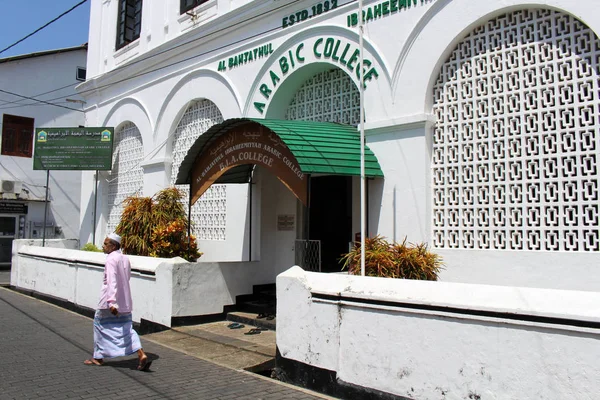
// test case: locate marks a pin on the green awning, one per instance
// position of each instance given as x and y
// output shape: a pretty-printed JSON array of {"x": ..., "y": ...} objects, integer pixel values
[{"x": 319, "y": 147}]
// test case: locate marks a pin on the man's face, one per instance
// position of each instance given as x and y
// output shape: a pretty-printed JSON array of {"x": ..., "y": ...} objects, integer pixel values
[{"x": 107, "y": 246}]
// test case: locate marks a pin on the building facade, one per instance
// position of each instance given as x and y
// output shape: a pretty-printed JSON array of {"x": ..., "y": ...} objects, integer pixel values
[
  {"x": 51, "y": 77},
  {"x": 481, "y": 118}
]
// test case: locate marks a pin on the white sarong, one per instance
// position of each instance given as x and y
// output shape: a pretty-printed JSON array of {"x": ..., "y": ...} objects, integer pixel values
[{"x": 114, "y": 335}]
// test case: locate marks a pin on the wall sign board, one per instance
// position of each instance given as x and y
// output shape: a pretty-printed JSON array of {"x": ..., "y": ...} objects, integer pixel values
[
  {"x": 286, "y": 222},
  {"x": 73, "y": 149},
  {"x": 7, "y": 207},
  {"x": 250, "y": 143}
]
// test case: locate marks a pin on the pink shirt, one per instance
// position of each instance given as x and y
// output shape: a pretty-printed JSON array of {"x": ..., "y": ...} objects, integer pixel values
[{"x": 115, "y": 287}]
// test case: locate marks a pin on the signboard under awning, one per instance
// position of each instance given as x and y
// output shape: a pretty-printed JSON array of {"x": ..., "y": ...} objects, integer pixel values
[
  {"x": 249, "y": 144},
  {"x": 73, "y": 149}
]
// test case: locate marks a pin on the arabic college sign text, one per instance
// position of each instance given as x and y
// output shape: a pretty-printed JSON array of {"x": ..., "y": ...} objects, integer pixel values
[
  {"x": 73, "y": 148},
  {"x": 250, "y": 143},
  {"x": 340, "y": 51}
]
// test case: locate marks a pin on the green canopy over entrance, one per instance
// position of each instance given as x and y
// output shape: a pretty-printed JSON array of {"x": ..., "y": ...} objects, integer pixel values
[{"x": 319, "y": 148}]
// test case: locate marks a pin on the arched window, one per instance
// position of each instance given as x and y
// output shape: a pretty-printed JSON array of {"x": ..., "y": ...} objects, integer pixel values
[
  {"x": 516, "y": 141},
  {"x": 127, "y": 176},
  {"x": 209, "y": 212}
]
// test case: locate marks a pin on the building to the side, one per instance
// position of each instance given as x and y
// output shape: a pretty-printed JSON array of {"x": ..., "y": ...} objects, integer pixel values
[
  {"x": 481, "y": 124},
  {"x": 37, "y": 90}
]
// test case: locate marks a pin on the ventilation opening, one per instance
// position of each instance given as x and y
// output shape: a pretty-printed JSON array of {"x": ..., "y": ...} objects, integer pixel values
[{"x": 81, "y": 74}]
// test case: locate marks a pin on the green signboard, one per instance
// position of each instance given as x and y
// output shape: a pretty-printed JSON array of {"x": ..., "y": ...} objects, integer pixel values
[{"x": 73, "y": 148}]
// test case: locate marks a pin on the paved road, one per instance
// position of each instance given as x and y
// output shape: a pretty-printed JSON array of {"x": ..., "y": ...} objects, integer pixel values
[{"x": 42, "y": 348}]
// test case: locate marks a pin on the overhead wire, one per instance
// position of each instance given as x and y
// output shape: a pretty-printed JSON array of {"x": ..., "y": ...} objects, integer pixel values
[
  {"x": 37, "y": 95},
  {"x": 41, "y": 101},
  {"x": 147, "y": 57},
  {"x": 29, "y": 35},
  {"x": 42, "y": 27},
  {"x": 33, "y": 105},
  {"x": 133, "y": 76}
]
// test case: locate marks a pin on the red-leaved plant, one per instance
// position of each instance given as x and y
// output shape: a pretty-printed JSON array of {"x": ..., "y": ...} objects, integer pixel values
[{"x": 157, "y": 227}]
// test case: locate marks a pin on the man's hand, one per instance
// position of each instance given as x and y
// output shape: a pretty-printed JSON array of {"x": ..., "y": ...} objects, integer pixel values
[{"x": 113, "y": 310}]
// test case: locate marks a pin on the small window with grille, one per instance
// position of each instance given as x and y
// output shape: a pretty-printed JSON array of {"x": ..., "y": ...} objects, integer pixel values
[
  {"x": 187, "y": 5},
  {"x": 17, "y": 136},
  {"x": 129, "y": 22}
]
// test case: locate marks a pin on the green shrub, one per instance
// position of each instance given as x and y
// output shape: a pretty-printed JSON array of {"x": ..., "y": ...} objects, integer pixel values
[
  {"x": 90, "y": 247},
  {"x": 394, "y": 260}
]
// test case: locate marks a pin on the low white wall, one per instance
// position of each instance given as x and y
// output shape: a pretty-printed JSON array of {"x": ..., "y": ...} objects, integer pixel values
[
  {"x": 72, "y": 244},
  {"x": 203, "y": 288},
  {"x": 76, "y": 276},
  {"x": 161, "y": 288},
  {"x": 436, "y": 340}
]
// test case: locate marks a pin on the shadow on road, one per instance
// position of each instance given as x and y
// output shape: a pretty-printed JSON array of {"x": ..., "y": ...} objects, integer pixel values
[{"x": 130, "y": 363}]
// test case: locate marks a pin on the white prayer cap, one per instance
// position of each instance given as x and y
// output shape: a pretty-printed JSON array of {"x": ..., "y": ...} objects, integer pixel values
[{"x": 115, "y": 237}]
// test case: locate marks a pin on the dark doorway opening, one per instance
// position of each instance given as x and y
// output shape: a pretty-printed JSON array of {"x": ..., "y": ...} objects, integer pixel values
[
  {"x": 8, "y": 233},
  {"x": 331, "y": 218}
]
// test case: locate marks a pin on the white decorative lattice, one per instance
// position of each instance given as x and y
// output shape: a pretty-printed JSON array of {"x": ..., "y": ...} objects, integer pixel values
[
  {"x": 209, "y": 212},
  {"x": 516, "y": 142},
  {"x": 329, "y": 96},
  {"x": 127, "y": 176}
]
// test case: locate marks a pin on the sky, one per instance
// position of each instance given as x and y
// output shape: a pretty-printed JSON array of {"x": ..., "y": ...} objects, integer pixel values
[{"x": 18, "y": 18}]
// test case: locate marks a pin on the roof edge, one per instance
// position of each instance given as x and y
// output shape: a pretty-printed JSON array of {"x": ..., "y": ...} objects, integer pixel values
[{"x": 43, "y": 53}]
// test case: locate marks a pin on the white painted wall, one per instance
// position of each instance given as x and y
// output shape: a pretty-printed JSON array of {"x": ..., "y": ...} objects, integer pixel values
[
  {"x": 235, "y": 248},
  {"x": 204, "y": 288},
  {"x": 440, "y": 355},
  {"x": 30, "y": 77},
  {"x": 408, "y": 48},
  {"x": 76, "y": 276},
  {"x": 277, "y": 247},
  {"x": 525, "y": 268},
  {"x": 161, "y": 288}
]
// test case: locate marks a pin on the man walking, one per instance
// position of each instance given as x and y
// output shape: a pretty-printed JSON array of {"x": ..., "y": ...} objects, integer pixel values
[{"x": 113, "y": 328}]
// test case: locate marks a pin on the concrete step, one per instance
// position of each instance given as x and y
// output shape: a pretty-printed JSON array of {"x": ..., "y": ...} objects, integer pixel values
[
  {"x": 252, "y": 319},
  {"x": 257, "y": 307}
]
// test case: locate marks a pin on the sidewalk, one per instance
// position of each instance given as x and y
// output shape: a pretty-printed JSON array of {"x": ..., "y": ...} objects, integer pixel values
[
  {"x": 43, "y": 348},
  {"x": 215, "y": 342},
  {"x": 4, "y": 277}
]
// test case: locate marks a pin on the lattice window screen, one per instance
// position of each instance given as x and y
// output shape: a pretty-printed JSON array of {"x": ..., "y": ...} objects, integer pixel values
[
  {"x": 329, "y": 96},
  {"x": 209, "y": 212},
  {"x": 516, "y": 143},
  {"x": 127, "y": 176}
]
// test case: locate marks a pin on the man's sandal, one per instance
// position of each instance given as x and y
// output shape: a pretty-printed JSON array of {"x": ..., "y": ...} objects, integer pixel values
[
  {"x": 93, "y": 361},
  {"x": 144, "y": 365}
]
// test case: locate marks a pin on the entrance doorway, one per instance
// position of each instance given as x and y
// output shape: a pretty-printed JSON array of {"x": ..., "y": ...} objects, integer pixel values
[
  {"x": 8, "y": 230},
  {"x": 331, "y": 218}
]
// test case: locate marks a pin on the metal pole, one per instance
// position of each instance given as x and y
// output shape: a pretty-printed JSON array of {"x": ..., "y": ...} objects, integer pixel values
[
  {"x": 190, "y": 221},
  {"x": 306, "y": 222},
  {"x": 95, "y": 208},
  {"x": 45, "y": 209},
  {"x": 362, "y": 140},
  {"x": 308, "y": 194},
  {"x": 250, "y": 220},
  {"x": 367, "y": 224}
]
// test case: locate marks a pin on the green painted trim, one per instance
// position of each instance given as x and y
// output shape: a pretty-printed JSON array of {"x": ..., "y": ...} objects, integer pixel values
[
  {"x": 319, "y": 147},
  {"x": 324, "y": 147}
]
